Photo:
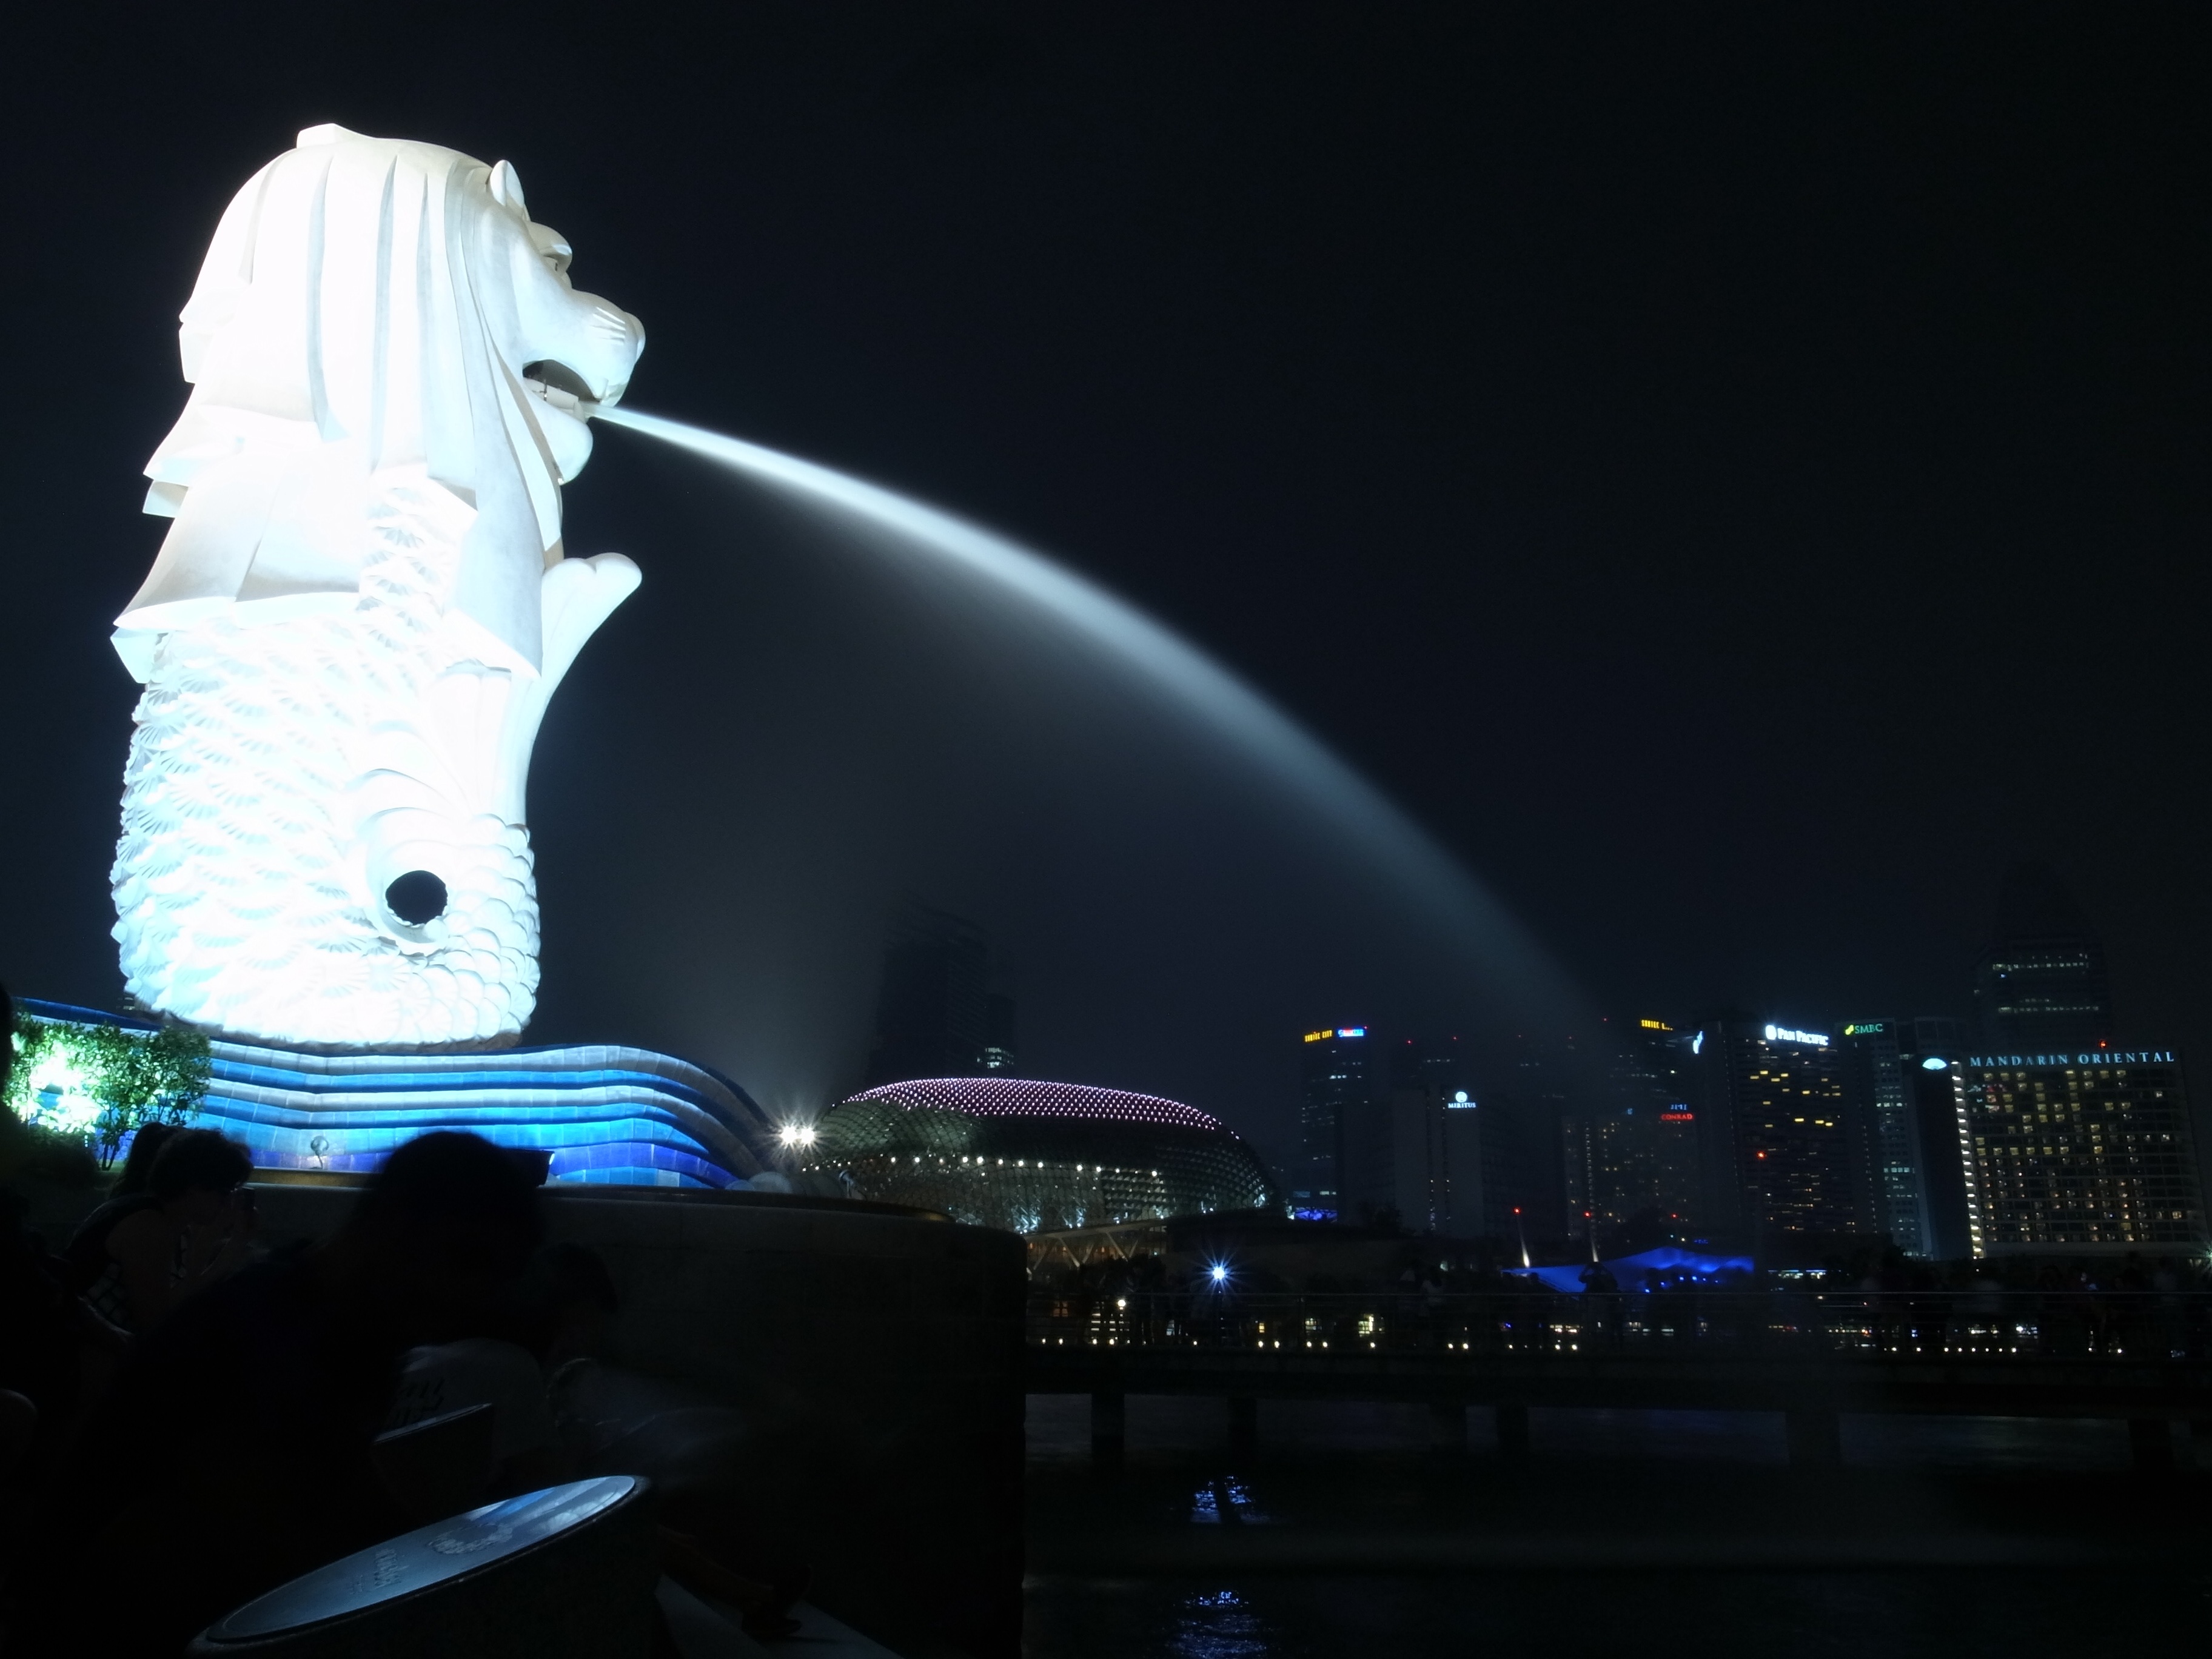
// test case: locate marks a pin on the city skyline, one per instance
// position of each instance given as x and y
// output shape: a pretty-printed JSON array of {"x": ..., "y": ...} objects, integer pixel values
[
  {"x": 1675, "y": 585},
  {"x": 1366, "y": 827}
]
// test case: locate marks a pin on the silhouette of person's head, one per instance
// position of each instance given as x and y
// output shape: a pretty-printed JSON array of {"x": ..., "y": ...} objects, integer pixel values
[
  {"x": 146, "y": 1144},
  {"x": 194, "y": 1170},
  {"x": 440, "y": 1235}
]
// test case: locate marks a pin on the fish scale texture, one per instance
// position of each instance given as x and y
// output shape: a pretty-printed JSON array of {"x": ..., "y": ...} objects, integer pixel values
[{"x": 239, "y": 880}]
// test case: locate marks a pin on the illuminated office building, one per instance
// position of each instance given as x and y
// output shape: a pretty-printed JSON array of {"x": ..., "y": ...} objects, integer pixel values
[
  {"x": 1929, "y": 1046},
  {"x": 2040, "y": 985},
  {"x": 1335, "y": 1092},
  {"x": 2084, "y": 1150},
  {"x": 1637, "y": 1150},
  {"x": 1879, "y": 1089},
  {"x": 1633, "y": 1168},
  {"x": 1427, "y": 1156},
  {"x": 1031, "y": 1156},
  {"x": 1782, "y": 1157},
  {"x": 1485, "y": 1171}
]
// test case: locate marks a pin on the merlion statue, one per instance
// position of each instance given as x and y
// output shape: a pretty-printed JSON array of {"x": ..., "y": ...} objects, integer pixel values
[{"x": 354, "y": 623}]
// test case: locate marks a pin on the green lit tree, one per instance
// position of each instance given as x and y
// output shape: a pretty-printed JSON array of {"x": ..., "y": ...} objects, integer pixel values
[{"x": 99, "y": 1083}]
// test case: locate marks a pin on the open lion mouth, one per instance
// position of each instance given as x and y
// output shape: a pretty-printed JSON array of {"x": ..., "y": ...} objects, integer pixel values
[{"x": 561, "y": 386}]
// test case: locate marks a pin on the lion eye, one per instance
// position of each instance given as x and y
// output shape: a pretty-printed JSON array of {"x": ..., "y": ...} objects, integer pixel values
[{"x": 552, "y": 247}]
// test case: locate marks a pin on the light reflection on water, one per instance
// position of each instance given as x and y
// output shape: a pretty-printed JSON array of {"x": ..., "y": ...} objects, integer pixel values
[
  {"x": 1059, "y": 1431},
  {"x": 1224, "y": 1500},
  {"x": 1914, "y": 1614},
  {"x": 1648, "y": 1533},
  {"x": 1221, "y": 1625}
]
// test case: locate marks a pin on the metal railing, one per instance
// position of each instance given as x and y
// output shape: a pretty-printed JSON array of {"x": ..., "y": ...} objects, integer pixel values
[{"x": 2134, "y": 1325}]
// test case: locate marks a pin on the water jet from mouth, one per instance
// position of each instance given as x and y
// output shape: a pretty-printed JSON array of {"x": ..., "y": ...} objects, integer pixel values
[{"x": 1144, "y": 656}]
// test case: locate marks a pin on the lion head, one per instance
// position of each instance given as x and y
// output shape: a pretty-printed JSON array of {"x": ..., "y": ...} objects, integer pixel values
[{"x": 370, "y": 304}]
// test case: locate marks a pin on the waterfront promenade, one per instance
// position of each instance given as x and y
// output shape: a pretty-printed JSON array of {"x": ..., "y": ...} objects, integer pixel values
[{"x": 2142, "y": 1357}]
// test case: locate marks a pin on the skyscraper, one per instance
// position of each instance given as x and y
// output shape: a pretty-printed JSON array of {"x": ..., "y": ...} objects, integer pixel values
[
  {"x": 1929, "y": 1045},
  {"x": 1539, "y": 1097},
  {"x": 1485, "y": 1171},
  {"x": 1000, "y": 1050},
  {"x": 2082, "y": 1151},
  {"x": 1781, "y": 1158},
  {"x": 1883, "y": 1108},
  {"x": 1639, "y": 1147},
  {"x": 933, "y": 1007},
  {"x": 1397, "y": 1161},
  {"x": 1335, "y": 1092},
  {"x": 1425, "y": 1154},
  {"x": 2040, "y": 984}
]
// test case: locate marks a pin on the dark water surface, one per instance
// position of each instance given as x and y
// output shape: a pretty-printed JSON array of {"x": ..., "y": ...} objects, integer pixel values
[{"x": 1344, "y": 1531}]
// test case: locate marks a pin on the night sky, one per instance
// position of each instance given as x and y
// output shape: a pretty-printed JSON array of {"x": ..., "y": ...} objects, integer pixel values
[{"x": 1734, "y": 476}]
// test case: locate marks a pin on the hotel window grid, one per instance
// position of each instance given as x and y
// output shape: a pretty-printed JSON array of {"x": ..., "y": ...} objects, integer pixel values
[{"x": 2080, "y": 1156}]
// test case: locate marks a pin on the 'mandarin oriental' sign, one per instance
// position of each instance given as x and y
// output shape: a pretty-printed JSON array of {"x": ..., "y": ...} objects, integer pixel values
[{"x": 2101, "y": 1057}]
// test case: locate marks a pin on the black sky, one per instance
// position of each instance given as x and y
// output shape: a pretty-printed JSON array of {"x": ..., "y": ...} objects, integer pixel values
[{"x": 1735, "y": 475}]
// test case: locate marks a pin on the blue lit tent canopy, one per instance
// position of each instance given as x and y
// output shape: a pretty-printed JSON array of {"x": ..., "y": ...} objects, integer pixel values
[
  {"x": 605, "y": 1113},
  {"x": 1629, "y": 1271}
]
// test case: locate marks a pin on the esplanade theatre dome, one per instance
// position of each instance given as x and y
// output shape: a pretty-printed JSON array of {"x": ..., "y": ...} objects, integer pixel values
[{"x": 1030, "y": 1156}]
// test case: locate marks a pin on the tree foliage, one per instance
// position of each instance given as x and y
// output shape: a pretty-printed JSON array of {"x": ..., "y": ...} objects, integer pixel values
[{"x": 100, "y": 1083}]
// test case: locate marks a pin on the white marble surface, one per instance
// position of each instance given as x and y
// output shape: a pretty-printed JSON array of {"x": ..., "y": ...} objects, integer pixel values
[{"x": 351, "y": 631}]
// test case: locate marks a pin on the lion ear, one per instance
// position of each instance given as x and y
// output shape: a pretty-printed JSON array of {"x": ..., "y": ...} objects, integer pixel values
[{"x": 506, "y": 188}]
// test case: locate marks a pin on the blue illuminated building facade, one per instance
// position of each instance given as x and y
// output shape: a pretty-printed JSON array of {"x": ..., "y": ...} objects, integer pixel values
[{"x": 603, "y": 1113}]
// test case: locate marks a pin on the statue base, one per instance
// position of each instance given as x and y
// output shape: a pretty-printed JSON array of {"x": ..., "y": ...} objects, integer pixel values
[{"x": 603, "y": 1113}]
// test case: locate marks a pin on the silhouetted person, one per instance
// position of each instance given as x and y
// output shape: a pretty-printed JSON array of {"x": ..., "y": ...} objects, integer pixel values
[
  {"x": 559, "y": 1315},
  {"x": 235, "y": 1452},
  {"x": 139, "y": 1255},
  {"x": 45, "y": 1331},
  {"x": 146, "y": 1144}
]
